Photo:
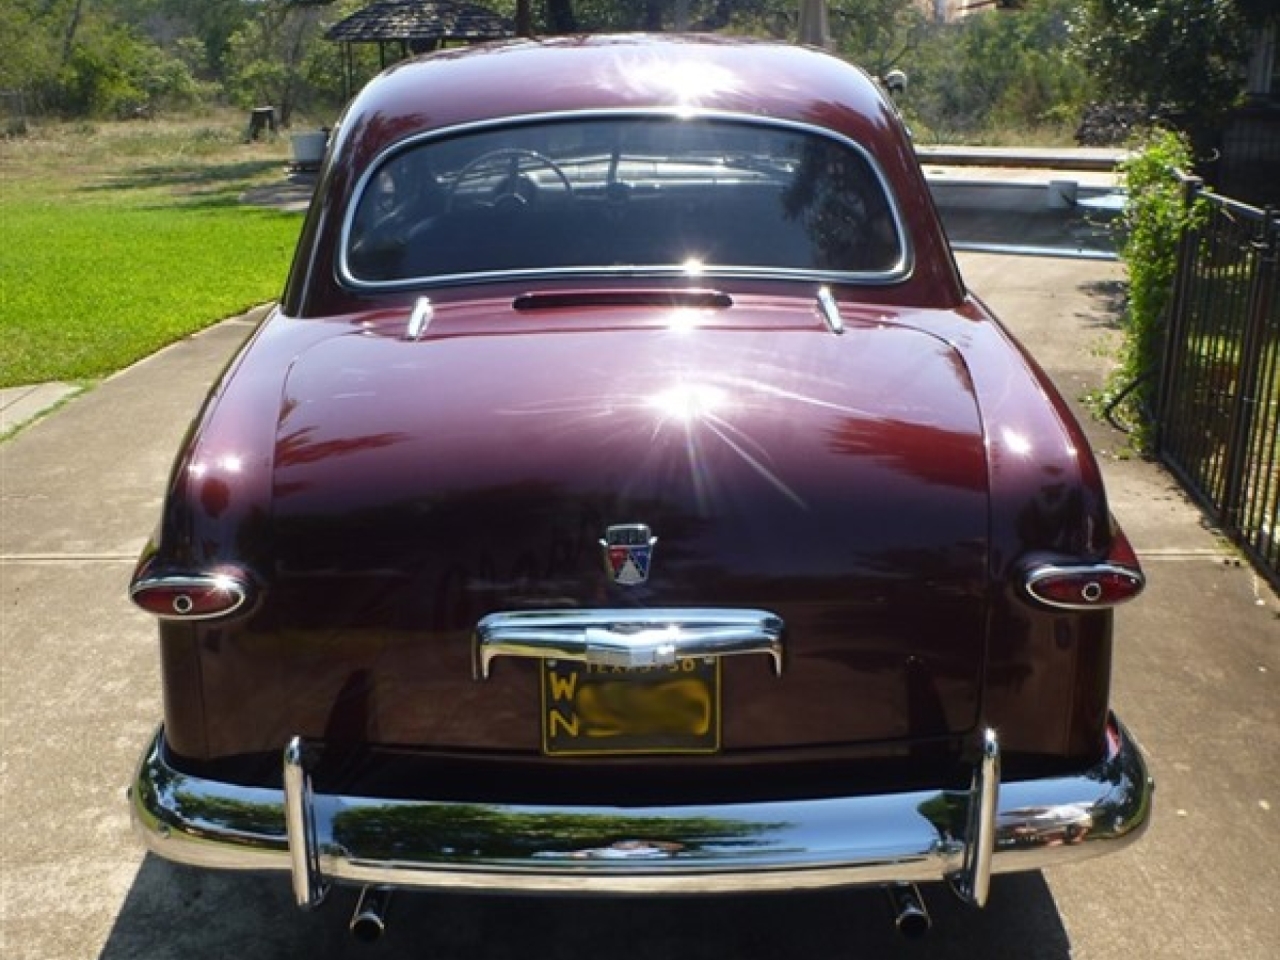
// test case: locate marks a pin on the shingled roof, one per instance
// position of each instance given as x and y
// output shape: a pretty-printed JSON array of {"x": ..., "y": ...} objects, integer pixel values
[{"x": 421, "y": 20}]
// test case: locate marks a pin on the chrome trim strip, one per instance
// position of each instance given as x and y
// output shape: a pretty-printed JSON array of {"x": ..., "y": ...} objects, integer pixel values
[
  {"x": 421, "y": 317},
  {"x": 830, "y": 310},
  {"x": 901, "y": 270},
  {"x": 626, "y": 637},
  {"x": 656, "y": 272},
  {"x": 913, "y": 837},
  {"x": 1046, "y": 571}
]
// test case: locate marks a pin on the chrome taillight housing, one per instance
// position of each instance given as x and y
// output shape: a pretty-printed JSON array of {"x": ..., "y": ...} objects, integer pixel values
[
  {"x": 199, "y": 597},
  {"x": 1088, "y": 586},
  {"x": 1084, "y": 587}
]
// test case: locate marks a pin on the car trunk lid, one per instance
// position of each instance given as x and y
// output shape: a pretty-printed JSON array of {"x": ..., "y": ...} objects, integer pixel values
[{"x": 838, "y": 483}]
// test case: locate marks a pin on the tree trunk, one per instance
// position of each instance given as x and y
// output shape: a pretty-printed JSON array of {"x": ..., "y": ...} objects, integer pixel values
[{"x": 70, "y": 38}]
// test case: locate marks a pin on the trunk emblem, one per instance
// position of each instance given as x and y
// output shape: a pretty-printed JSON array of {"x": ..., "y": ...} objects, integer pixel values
[{"x": 628, "y": 549}]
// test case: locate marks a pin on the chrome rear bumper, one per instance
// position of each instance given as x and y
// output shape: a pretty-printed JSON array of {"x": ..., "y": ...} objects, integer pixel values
[{"x": 920, "y": 836}]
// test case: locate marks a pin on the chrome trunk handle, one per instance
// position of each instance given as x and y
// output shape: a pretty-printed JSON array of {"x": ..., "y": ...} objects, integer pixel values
[{"x": 626, "y": 637}]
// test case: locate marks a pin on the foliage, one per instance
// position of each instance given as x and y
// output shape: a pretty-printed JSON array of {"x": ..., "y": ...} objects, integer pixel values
[
  {"x": 266, "y": 58},
  {"x": 985, "y": 72},
  {"x": 211, "y": 22},
  {"x": 111, "y": 73},
  {"x": 102, "y": 58},
  {"x": 325, "y": 65},
  {"x": 25, "y": 65},
  {"x": 994, "y": 72},
  {"x": 69, "y": 57},
  {"x": 599, "y": 16},
  {"x": 1180, "y": 58},
  {"x": 878, "y": 35},
  {"x": 1155, "y": 219}
]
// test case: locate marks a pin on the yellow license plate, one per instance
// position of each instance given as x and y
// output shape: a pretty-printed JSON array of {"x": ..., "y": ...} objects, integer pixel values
[{"x": 593, "y": 710}]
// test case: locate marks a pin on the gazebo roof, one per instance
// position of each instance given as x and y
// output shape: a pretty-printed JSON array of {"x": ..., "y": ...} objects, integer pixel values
[{"x": 421, "y": 20}]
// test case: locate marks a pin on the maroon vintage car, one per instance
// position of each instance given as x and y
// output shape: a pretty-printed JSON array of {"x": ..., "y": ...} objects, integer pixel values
[{"x": 628, "y": 497}]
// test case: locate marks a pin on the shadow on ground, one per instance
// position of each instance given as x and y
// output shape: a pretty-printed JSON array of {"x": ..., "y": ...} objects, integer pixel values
[
  {"x": 195, "y": 183},
  {"x": 1111, "y": 298},
  {"x": 176, "y": 912}
]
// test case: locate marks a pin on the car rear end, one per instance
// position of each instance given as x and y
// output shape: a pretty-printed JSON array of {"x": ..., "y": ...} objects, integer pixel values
[{"x": 625, "y": 501}]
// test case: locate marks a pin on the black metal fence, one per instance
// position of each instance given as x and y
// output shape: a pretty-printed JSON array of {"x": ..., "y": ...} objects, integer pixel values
[{"x": 1218, "y": 406}]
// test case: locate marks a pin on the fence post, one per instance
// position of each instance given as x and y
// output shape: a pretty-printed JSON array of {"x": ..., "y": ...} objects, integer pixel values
[
  {"x": 1247, "y": 384},
  {"x": 1174, "y": 321}
]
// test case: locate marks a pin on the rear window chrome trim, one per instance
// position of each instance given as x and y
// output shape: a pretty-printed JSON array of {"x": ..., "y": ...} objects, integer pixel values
[{"x": 901, "y": 270}]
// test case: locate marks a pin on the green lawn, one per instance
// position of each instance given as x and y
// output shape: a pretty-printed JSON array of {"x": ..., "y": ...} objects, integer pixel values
[{"x": 116, "y": 241}]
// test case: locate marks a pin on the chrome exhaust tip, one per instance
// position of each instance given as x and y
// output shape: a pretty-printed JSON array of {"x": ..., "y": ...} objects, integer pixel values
[
  {"x": 910, "y": 917},
  {"x": 368, "y": 922}
]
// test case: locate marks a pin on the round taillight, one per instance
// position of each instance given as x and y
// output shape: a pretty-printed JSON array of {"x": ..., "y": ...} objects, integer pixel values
[
  {"x": 1084, "y": 587},
  {"x": 190, "y": 598}
]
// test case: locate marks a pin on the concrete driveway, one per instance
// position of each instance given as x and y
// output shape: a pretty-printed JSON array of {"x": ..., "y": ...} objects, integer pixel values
[{"x": 1197, "y": 666}]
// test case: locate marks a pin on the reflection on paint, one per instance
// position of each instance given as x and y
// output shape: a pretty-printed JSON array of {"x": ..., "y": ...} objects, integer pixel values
[
  {"x": 1016, "y": 443},
  {"x": 684, "y": 320},
  {"x": 687, "y": 403},
  {"x": 227, "y": 463}
]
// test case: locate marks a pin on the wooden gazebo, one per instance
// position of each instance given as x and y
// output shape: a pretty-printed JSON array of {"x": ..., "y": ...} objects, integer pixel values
[{"x": 401, "y": 28}]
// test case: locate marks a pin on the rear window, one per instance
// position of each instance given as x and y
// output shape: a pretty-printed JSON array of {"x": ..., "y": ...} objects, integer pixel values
[{"x": 622, "y": 195}]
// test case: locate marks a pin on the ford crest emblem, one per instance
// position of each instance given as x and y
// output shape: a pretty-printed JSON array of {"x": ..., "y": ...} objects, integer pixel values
[{"x": 628, "y": 550}]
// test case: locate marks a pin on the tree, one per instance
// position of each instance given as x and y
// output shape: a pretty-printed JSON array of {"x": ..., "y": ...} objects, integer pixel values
[
  {"x": 996, "y": 73},
  {"x": 266, "y": 58},
  {"x": 81, "y": 59},
  {"x": 25, "y": 40},
  {"x": 601, "y": 16},
  {"x": 212, "y": 22},
  {"x": 1179, "y": 58},
  {"x": 876, "y": 34}
]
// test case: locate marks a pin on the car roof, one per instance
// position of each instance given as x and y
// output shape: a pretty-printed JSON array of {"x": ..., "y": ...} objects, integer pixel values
[
  {"x": 602, "y": 75},
  {"x": 695, "y": 73}
]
